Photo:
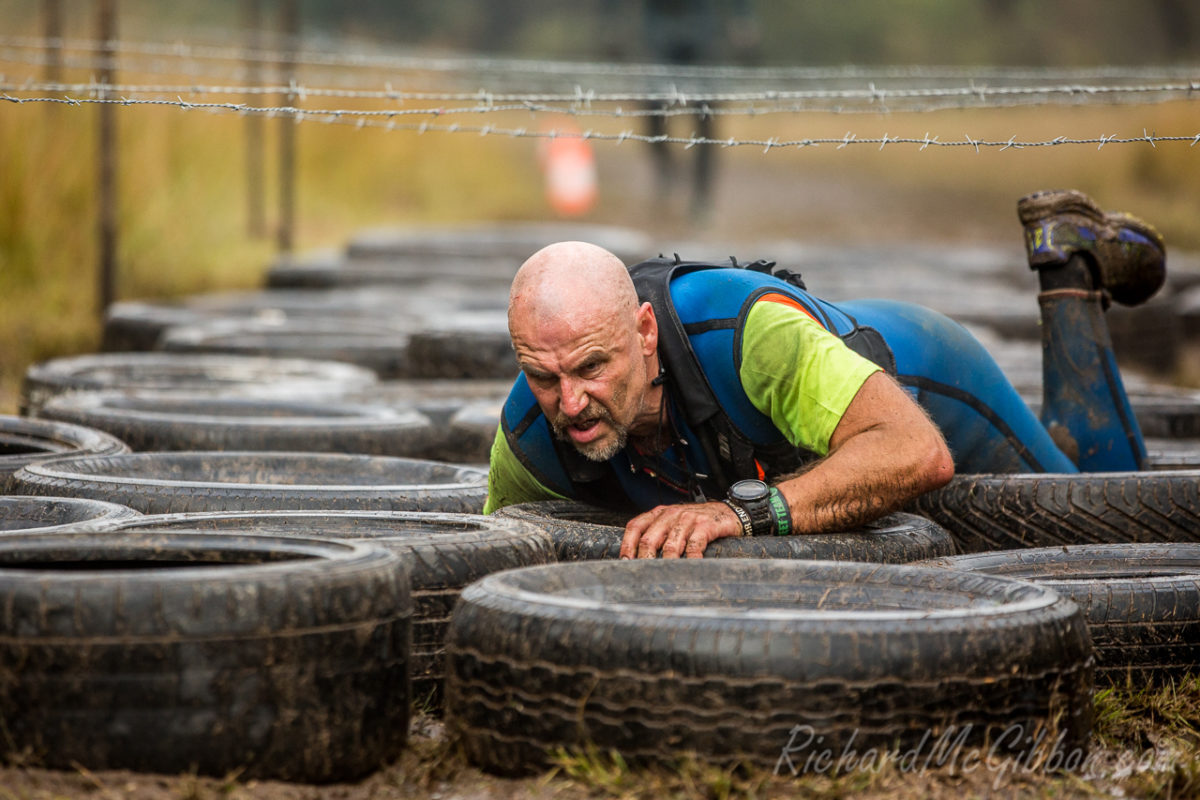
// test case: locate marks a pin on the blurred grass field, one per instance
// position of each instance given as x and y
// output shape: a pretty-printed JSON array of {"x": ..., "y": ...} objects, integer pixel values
[{"x": 183, "y": 209}]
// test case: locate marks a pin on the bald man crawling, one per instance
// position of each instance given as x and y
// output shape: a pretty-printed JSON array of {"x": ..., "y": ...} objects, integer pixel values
[{"x": 715, "y": 400}]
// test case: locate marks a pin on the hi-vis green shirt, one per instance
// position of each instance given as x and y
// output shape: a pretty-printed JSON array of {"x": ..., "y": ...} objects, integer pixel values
[{"x": 793, "y": 370}]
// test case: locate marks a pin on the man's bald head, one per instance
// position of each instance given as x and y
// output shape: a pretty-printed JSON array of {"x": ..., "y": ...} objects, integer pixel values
[{"x": 574, "y": 278}]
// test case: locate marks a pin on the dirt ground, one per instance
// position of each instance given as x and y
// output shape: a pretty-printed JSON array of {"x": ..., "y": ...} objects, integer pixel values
[{"x": 755, "y": 202}]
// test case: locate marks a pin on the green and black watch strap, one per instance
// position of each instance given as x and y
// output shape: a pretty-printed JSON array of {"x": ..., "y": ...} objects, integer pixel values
[{"x": 781, "y": 517}]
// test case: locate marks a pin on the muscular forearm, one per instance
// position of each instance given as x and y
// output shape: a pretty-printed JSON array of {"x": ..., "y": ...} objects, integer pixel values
[{"x": 864, "y": 479}]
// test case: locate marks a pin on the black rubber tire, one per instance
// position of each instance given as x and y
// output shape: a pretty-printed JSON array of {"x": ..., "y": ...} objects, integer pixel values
[
  {"x": 1003, "y": 512},
  {"x": 444, "y": 552},
  {"x": 581, "y": 532},
  {"x": 1160, "y": 415},
  {"x": 1169, "y": 454},
  {"x": 268, "y": 657},
  {"x": 508, "y": 242},
  {"x": 727, "y": 659},
  {"x": 469, "y": 346},
  {"x": 379, "y": 346},
  {"x": 137, "y": 325},
  {"x": 438, "y": 399},
  {"x": 1141, "y": 601},
  {"x": 473, "y": 430},
  {"x": 208, "y": 373},
  {"x": 1167, "y": 416},
  {"x": 403, "y": 272},
  {"x": 31, "y": 441},
  {"x": 457, "y": 438},
  {"x": 26, "y": 514},
  {"x": 167, "y": 483},
  {"x": 177, "y": 421},
  {"x": 134, "y": 326}
]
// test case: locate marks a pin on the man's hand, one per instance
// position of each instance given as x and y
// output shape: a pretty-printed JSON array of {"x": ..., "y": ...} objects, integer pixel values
[{"x": 684, "y": 529}]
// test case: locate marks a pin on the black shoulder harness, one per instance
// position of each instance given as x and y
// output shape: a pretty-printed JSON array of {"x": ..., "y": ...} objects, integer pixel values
[{"x": 731, "y": 454}]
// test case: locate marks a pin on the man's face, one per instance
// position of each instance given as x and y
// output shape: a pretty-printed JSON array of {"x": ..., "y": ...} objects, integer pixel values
[{"x": 588, "y": 374}]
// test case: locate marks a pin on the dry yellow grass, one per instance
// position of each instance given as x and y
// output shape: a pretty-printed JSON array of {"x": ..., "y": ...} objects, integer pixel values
[{"x": 183, "y": 217}]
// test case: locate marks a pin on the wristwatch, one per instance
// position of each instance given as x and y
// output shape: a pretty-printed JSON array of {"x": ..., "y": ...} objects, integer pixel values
[{"x": 753, "y": 498}]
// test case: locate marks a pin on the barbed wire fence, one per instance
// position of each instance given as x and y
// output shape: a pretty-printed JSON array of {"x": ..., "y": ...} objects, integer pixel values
[{"x": 459, "y": 94}]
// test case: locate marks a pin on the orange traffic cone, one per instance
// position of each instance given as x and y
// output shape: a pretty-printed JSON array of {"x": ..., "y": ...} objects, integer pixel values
[{"x": 570, "y": 169}]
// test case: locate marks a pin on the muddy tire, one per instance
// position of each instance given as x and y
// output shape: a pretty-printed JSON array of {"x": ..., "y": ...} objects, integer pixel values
[
  {"x": 745, "y": 660},
  {"x": 266, "y": 657},
  {"x": 445, "y": 552},
  {"x": 472, "y": 429},
  {"x": 31, "y": 441},
  {"x": 585, "y": 533},
  {"x": 137, "y": 325},
  {"x": 1003, "y": 512},
  {"x": 463, "y": 412},
  {"x": 401, "y": 272},
  {"x": 167, "y": 483},
  {"x": 244, "y": 376},
  {"x": 1141, "y": 601},
  {"x": 27, "y": 515},
  {"x": 1172, "y": 454},
  {"x": 509, "y": 243},
  {"x": 471, "y": 346},
  {"x": 379, "y": 346},
  {"x": 172, "y": 421}
]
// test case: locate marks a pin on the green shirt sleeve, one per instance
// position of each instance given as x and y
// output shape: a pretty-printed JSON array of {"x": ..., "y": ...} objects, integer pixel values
[
  {"x": 797, "y": 373},
  {"x": 508, "y": 480}
]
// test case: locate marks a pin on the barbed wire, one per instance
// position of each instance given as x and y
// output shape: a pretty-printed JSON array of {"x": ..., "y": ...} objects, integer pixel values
[
  {"x": 428, "y": 62},
  {"x": 360, "y": 118},
  {"x": 585, "y": 100}
]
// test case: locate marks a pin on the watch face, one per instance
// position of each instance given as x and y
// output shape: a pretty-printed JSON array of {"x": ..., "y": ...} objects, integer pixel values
[{"x": 748, "y": 491}]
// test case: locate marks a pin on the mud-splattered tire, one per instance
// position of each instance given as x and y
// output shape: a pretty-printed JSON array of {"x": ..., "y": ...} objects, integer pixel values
[
  {"x": 445, "y": 552},
  {"x": 266, "y": 657},
  {"x": 23, "y": 514},
  {"x": 581, "y": 532},
  {"x": 26, "y": 441},
  {"x": 1141, "y": 601},
  {"x": 1169, "y": 454},
  {"x": 167, "y": 483},
  {"x": 175, "y": 421},
  {"x": 1002, "y": 512},
  {"x": 745, "y": 660},
  {"x": 378, "y": 345},
  {"x": 244, "y": 376},
  {"x": 471, "y": 346}
]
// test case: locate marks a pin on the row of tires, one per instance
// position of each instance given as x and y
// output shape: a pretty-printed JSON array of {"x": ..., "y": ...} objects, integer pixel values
[
  {"x": 291, "y": 644},
  {"x": 231, "y": 561},
  {"x": 982, "y": 512}
]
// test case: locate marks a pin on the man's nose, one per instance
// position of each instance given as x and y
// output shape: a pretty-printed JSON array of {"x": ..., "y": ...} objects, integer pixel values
[{"x": 572, "y": 398}]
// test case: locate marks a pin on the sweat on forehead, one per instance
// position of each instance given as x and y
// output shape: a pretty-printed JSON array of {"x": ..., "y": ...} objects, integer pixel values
[{"x": 572, "y": 276}]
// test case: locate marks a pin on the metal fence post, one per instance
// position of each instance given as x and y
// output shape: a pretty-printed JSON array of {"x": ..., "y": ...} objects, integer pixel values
[
  {"x": 290, "y": 28},
  {"x": 106, "y": 179},
  {"x": 256, "y": 214},
  {"x": 52, "y": 25}
]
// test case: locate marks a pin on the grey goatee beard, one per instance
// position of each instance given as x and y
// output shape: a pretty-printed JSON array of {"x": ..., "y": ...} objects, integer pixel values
[{"x": 601, "y": 450}]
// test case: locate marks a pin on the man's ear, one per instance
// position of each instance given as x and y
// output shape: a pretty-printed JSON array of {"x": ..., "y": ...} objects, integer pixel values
[{"x": 647, "y": 328}]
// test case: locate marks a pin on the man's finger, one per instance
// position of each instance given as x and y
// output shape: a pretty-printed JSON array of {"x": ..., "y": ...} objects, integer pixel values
[
  {"x": 676, "y": 541},
  {"x": 651, "y": 541},
  {"x": 635, "y": 529},
  {"x": 696, "y": 544}
]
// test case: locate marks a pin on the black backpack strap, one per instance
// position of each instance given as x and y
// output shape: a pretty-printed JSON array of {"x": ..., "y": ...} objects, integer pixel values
[{"x": 730, "y": 453}]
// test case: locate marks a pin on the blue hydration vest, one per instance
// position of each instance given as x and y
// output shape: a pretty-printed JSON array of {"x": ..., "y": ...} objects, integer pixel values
[{"x": 720, "y": 437}]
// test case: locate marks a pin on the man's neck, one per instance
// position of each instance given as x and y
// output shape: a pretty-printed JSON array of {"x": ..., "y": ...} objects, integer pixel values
[{"x": 651, "y": 434}]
